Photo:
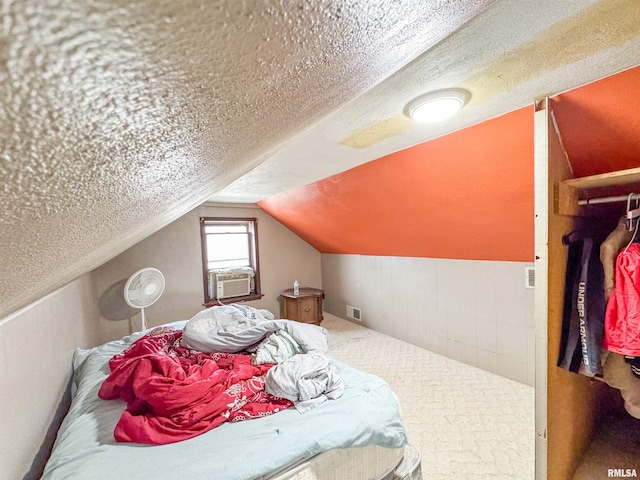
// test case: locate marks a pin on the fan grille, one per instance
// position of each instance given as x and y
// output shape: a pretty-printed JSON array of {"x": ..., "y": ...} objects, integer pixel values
[{"x": 144, "y": 287}]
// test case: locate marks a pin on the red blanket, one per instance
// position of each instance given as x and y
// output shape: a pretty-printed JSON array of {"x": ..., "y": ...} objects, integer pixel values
[{"x": 174, "y": 393}]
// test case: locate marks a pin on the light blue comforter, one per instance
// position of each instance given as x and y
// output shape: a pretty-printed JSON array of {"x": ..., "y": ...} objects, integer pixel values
[{"x": 367, "y": 413}]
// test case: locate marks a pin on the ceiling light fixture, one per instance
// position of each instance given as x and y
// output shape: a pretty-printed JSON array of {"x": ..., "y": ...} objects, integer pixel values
[{"x": 437, "y": 106}]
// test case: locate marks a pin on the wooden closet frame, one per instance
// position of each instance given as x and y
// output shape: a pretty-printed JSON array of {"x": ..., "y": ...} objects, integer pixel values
[{"x": 567, "y": 405}]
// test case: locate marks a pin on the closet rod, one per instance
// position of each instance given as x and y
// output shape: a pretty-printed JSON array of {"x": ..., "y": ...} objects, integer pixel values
[
  {"x": 569, "y": 189},
  {"x": 595, "y": 201}
]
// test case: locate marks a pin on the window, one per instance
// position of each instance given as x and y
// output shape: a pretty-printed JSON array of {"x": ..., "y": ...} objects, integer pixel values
[{"x": 230, "y": 259}]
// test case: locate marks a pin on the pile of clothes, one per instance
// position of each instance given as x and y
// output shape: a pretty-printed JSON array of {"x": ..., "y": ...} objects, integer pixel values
[{"x": 230, "y": 363}]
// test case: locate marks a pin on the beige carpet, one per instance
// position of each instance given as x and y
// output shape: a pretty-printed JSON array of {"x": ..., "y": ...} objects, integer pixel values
[{"x": 466, "y": 422}]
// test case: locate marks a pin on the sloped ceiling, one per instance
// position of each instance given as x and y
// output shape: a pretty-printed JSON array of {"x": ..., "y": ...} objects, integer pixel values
[
  {"x": 117, "y": 117},
  {"x": 467, "y": 195},
  {"x": 600, "y": 124},
  {"x": 507, "y": 57}
]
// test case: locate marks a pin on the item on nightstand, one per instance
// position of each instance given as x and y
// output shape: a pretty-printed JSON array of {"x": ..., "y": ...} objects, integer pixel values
[
  {"x": 296, "y": 288},
  {"x": 304, "y": 306}
]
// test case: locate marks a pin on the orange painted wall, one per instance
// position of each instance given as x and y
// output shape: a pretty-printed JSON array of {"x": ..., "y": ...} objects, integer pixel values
[
  {"x": 600, "y": 124},
  {"x": 468, "y": 195}
]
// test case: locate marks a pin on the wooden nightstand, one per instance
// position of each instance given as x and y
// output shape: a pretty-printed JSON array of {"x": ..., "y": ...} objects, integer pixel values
[{"x": 306, "y": 307}]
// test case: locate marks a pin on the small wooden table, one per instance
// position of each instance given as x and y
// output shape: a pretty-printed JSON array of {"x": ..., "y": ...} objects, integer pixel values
[{"x": 306, "y": 307}]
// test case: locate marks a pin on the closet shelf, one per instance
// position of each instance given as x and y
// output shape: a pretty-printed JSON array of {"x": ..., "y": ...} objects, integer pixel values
[{"x": 568, "y": 190}]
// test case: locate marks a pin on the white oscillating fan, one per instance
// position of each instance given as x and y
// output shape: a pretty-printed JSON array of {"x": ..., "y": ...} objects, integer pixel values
[{"x": 142, "y": 290}]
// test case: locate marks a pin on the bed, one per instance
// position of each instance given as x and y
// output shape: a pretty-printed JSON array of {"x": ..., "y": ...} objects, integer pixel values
[{"x": 356, "y": 436}]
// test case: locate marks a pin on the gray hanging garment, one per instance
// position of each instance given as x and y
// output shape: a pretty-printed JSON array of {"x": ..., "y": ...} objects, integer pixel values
[{"x": 584, "y": 308}]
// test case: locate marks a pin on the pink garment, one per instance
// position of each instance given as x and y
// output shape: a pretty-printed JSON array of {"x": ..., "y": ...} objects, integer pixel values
[{"x": 622, "y": 319}]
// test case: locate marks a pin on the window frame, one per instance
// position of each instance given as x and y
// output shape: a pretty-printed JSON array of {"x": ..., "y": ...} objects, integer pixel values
[{"x": 253, "y": 254}]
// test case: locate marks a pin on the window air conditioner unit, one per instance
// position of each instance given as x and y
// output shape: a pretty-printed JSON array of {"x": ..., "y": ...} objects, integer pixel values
[{"x": 232, "y": 285}]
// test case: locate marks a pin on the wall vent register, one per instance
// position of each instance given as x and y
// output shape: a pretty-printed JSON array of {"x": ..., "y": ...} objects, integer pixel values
[
  {"x": 354, "y": 313},
  {"x": 529, "y": 277}
]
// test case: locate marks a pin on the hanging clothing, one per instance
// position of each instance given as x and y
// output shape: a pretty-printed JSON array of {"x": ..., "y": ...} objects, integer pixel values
[
  {"x": 622, "y": 320},
  {"x": 584, "y": 308},
  {"x": 619, "y": 371},
  {"x": 635, "y": 365},
  {"x": 618, "y": 239},
  {"x": 618, "y": 375}
]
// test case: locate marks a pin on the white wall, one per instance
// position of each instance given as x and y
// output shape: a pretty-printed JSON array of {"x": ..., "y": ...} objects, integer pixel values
[
  {"x": 176, "y": 251},
  {"x": 36, "y": 346},
  {"x": 477, "y": 312}
]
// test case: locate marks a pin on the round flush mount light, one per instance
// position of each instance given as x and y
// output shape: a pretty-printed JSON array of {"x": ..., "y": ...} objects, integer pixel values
[{"x": 436, "y": 106}]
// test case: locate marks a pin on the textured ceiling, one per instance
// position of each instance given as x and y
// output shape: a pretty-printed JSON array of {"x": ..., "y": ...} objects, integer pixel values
[
  {"x": 117, "y": 117},
  {"x": 508, "y": 56}
]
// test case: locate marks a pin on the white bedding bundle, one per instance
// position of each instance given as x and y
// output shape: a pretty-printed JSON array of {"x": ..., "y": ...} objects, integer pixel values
[
  {"x": 307, "y": 380},
  {"x": 230, "y": 329},
  {"x": 304, "y": 374}
]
